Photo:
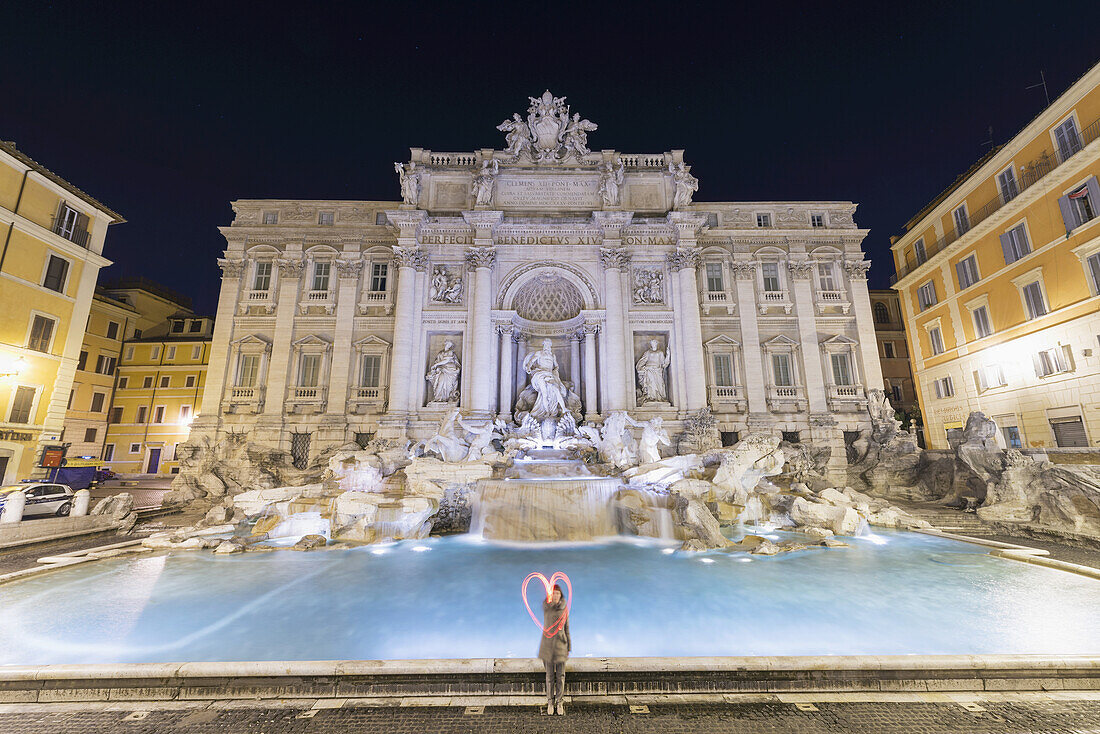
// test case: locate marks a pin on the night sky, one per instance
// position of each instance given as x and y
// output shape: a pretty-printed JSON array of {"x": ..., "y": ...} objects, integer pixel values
[{"x": 166, "y": 112}]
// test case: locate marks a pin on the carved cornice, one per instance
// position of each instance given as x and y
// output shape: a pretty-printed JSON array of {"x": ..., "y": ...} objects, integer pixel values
[
  {"x": 800, "y": 269},
  {"x": 480, "y": 257},
  {"x": 349, "y": 268},
  {"x": 483, "y": 222},
  {"x": 743, "y": 270},
  {"x": 290, "y": 268},
  {"x": 231, "y": 268},
  {"x": 612, "y": 222},
  {"x": 409, "y": 257},
  {"x": 857, "y": 269},
  {"x": 407, "y": 221},
  {"x": 684, "y": 258},
  {"x": 614, "y": 258}
]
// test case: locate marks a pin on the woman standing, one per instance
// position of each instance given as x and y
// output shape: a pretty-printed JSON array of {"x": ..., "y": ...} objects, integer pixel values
[{"x": 554, "y": 649}]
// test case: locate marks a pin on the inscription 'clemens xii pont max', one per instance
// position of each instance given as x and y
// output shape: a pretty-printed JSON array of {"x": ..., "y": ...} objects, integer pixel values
[
  {"x": 544, "y": 239},
  {"x": 579, "y": 192}
]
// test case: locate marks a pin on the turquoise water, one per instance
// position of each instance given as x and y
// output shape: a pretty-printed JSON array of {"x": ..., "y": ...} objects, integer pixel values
[{"x": 457, "y": 597}]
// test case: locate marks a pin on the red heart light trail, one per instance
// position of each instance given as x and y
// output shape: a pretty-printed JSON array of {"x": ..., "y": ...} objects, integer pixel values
[{"x": 548, "y": 584}]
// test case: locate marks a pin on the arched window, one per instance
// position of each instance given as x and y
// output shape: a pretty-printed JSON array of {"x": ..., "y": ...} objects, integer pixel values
[{"x": 882, "y": 314}]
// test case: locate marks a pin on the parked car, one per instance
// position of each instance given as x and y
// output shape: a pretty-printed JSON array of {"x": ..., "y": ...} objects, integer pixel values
[{"x": 42, "y": 498}]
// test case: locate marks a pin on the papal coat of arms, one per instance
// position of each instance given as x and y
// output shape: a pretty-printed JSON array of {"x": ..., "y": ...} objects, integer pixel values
[{"x": 549, "y": 134}]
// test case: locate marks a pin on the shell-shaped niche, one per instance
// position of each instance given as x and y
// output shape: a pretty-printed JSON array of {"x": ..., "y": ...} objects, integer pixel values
[{"x": 548, "y": 297}]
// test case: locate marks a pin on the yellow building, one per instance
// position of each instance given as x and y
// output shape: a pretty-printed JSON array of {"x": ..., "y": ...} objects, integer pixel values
[
  {"x": 51, "y": 251},
  {"x": 159, "y": 389},
  {"x": 121, "y": 310},
  {"x": 999, "y": 279}
]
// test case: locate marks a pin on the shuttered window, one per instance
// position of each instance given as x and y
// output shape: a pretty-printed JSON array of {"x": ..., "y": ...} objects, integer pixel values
[
  {"x": 967, "y": 270},
  {"x": 371, "y": 371},
  {"x": 926, "y": 295},
  {"x": 935, "y": 338},
  {"x": 990, "y": 376},
  {"x": 41, "y": 332},
  {"x": 1034, "y": 301},
  {"x": 945, "y": 387},
  {"x": 21, "y": 405},
  {"x": 982, "y": 326},
  {"x": 1069, "y": 142},
  {"x": 962, "y": 221},
  {"x": 1094, "y": 270},
  {"x": 770, "y": 272},
  {"x": 723, "y": 370},
  {"x": 1006, "y": 183},
  {"x": 1080, "y": 205},
  {"x": 842, "y": 369},
  {"x": 781, "y": 369},
  {"x": 57, "y": 272},
  {"x": 1069, "y": 432},
  {"x": 918, "y": 248},
  {"x": 1015, "y": 244}
]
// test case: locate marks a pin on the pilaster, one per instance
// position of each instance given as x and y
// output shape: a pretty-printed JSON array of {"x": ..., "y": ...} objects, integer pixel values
[
  {"x": 407, "y": 255},
  {"x": 290, "y": 273},
  {"x": 801, "y": 275},
  {"x": 744, "y": 276},
  {"x": 865, "y": 323},
  {"x": 480, "y": 260}
]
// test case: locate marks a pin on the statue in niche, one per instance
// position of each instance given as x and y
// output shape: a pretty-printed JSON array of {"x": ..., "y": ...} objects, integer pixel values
[
  {"x": 443, "y": 375},
  {"x": 653, "y": 436},
  {"x": 483, "y": 182},
  {"x": 410, "y": 182},
  {"x": 648, "y": 286},
  {"x": 518, "y": 137},
  {"x": 686, "y": 185},
  {"x": 446, "y": 288},
  {"x": 550, "y": 392},
  {"x": 611, "y": 181},
  {"x": 651, "y": 366},
  {"x": 576, "y": 136}
]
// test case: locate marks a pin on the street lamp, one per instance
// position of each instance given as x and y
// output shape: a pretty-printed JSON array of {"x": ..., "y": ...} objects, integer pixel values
[{"x": 13, "y": 368}]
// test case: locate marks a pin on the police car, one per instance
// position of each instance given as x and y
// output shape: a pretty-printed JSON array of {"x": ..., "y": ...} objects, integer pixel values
[{"x": 43, "y": 498}]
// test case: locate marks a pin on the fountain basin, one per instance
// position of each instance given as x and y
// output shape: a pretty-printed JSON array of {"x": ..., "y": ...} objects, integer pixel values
[{"x": 890, "y": 593}]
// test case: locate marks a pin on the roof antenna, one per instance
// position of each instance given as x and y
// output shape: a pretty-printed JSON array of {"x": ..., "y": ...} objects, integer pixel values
[
  {"x": 1042, "y": 84},
  {"x": 990, "y": 141}
]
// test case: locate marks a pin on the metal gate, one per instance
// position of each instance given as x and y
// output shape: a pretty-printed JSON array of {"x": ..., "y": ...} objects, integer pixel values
[
  {"x": 1069, "y": 432},
  {"x": 299, "y": 449}
]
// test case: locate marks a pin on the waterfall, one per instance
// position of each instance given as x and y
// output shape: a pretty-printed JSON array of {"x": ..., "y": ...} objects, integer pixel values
[{"x": 554, "y": 509}]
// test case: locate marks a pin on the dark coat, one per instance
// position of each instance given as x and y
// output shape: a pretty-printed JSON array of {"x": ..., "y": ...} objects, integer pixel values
[{"x": 557, "y": 648}]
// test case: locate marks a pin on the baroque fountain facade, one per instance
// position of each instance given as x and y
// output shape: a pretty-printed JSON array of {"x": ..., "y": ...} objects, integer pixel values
[{"x": 560, "y": 337}]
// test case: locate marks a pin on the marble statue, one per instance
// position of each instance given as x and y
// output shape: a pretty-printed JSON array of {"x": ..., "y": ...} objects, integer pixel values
[
  {"x": 481, "y": 437},
  {"x": 576, "y": 136},
  {"x": 549, "y": 134},
  {"x": 653, "y": 436},
  {"x": 542, "y": 370},
  {"x": 446, "y": 288},
  {"x": 611, "y": 181},
  {"x": 410, "y": 182},
  {"x": 686, "y": 185},
  {"x": 648, "y": 286},
  {"x": 443, "y": 375},
  {"x": 652, "y": 386},
  {"x": 483, "y": 182},
  {"x": 518, "y": 137},
  {"x": 617, "y": 445},
  {"x": 446, "y": 443}
]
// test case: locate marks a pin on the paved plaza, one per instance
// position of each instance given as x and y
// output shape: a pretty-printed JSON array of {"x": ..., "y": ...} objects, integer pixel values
[{"x": 1020, "y": 713}]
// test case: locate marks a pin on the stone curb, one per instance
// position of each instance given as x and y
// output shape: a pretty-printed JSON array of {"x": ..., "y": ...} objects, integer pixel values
[
  {"x": 1021, "y": 553},
  {"x": 588, "y": 678}
]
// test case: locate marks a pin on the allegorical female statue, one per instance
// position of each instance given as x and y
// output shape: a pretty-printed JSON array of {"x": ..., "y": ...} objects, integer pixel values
[
  {"x": 542, "y": 369},
  {"x": 443, "y": 375},
  {"x": 652, "y": 387}
]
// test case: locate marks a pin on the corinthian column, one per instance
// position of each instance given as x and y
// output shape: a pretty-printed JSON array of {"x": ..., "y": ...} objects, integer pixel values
[
  {"x": 685, "y": 262},
  {"x": 340, "y": 372},
  {"x": 590, "y": 377},
  {"x": 861, "y": 306},
  {"x": 406, "y": 256},
  {"x": 480, "y": 259},
  {"x": 614, "y": 259},
  {"x": 507, "y": 365}
]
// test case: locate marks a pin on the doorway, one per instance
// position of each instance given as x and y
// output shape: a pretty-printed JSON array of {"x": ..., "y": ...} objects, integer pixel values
[
  {"x": 154, "y": 461},
  {"x": 3, "y": 467}
]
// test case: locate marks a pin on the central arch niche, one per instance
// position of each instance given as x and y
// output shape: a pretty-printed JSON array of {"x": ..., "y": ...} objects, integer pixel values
[{"x": 548, "y": 298}]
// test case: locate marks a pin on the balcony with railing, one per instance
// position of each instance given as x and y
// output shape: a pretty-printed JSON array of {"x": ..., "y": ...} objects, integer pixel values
[
  {"x": 325, "y": 300},
  {"x": 718, "y": 299},
  {"x": 832, "y": 300},
  {"x": 775, "y": 299},
  {"x": 846, "y": 397},
  {"x": 370, "y": 300},
  {"x": 367, "y": 399},
  {"x": 244, "y": 399},
  {"x": 1031, "y": 174},
  {"x": 262, "y": 301},
  {"x": 786, "y": 398},
  {"x": 728, "y": 398},
  {"x": 306, "y": 399}
]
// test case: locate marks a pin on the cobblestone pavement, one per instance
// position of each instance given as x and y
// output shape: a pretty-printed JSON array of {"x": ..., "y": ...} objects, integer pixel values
[{"x": 827, "y": 718}]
